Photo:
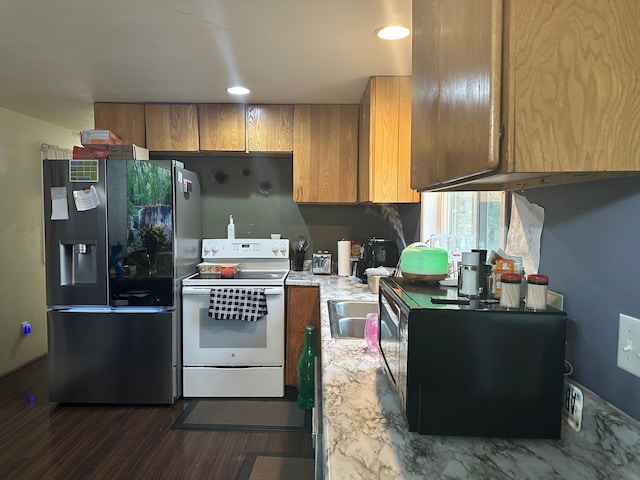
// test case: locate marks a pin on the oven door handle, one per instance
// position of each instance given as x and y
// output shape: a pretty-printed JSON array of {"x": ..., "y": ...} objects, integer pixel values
[{"x": 202, "y": 290}]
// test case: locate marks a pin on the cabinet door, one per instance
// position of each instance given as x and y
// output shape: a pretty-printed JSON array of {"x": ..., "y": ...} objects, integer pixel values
[
  {"x": 385, "y": 141},
  {"x": 222, "y": 127},
  {"x": 575, "y": 90},
  {"x": 455, "y": 89},
  {"x": 124, "y": 119},
  {"x": 405, "y": 192},
  {"x": 303, "y": 308},
  {"x": 172, "y": 128},
  {"x": 269, "y": 128},
  {"x": 325, "y": 154}
]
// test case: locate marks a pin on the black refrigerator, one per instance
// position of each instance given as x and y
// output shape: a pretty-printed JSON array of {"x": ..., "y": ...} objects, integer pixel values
[{"x": 119, "y": 237}]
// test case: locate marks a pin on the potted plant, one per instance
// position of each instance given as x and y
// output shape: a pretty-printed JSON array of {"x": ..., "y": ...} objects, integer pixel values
[{"x": 153, "y": 238}]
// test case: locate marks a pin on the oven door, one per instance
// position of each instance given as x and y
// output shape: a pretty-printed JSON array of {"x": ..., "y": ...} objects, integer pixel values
[
  {"x": 394, "y": 349},
  {"x": 389, "y": 346},
  {"x": 222, "y": 343}
]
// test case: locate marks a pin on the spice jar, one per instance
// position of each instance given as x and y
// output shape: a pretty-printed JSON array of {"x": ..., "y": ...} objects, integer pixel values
[
  {"x": 510, "y": 296},
  {"x": 537, "y": 291}
]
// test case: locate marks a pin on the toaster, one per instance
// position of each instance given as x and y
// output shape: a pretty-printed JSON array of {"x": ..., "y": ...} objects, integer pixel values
[{"x": 321, "y": 263}]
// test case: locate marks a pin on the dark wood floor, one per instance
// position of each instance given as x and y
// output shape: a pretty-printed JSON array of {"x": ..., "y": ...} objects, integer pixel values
[{"x": 42, "y": 440}]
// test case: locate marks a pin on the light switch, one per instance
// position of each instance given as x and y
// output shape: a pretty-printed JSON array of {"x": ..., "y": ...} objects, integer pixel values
[{"x": 629, "y": 344}]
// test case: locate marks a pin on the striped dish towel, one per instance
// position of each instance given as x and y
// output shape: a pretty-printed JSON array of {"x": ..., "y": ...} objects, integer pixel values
[{"x": 248, "y": 304}]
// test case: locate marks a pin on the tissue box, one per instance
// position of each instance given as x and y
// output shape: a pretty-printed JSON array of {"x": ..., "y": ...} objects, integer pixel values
[
  {"x": 128, "y": 152},
  {"x": 373, "y": 282}
]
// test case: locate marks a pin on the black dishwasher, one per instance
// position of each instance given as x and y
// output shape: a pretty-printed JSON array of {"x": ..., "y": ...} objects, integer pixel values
[{"x": 472, "y": 369}]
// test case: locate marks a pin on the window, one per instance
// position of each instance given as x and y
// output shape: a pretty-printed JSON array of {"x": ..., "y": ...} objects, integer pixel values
[{"x": 460, "y": 221}]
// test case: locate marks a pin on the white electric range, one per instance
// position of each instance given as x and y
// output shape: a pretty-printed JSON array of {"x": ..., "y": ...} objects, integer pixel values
[{"x": 236, "y": 358}]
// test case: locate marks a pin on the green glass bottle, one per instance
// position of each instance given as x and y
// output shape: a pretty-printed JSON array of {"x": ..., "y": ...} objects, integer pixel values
[{"x": 305, "y": 368}]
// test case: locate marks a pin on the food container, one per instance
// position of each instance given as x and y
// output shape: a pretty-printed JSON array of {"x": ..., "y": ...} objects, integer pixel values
[
  {"x": 100, "y": 137},
  {"x": 128, "y": 152},
  {"x": 502, "y": 266},
  {"x": 217, "y": 270},
  {"x": 510, "y": 294},
  {"x": 227, "y": 271},
  {"x": 537, "y": 292},
  {"x": 89, "y": 153}
]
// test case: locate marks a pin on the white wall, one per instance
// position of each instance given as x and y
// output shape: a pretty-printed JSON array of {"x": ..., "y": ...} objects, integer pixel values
[{"x": 22, "y": 284}]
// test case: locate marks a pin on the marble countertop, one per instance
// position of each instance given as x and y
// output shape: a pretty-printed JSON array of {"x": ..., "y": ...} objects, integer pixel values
[{"x": 365, "y": 435}]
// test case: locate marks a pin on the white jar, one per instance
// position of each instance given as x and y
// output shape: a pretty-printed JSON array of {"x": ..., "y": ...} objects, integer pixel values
[
  {"x": 510, "y": 296},
  {"x": 537, "y": 292}
]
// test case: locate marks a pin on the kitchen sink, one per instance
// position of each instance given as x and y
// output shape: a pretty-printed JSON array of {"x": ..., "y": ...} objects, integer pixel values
[{"x": 347, "y": 318}]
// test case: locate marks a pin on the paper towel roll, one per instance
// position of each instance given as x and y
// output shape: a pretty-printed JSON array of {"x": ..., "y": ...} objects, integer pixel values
[{"x": 344, "y": 258}]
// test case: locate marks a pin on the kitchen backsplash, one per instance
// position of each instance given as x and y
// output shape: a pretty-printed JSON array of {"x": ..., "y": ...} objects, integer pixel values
[
  {"x": 258, "y": 192},
  {"x": 590, "y": 236}
]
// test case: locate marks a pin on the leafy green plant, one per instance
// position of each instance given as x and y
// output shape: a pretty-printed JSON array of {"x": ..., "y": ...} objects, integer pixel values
[{"x": 153, "y": 238}]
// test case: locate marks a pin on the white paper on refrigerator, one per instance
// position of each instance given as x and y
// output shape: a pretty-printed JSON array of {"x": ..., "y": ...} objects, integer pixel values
[
  {"x": 59, "y": 207},
  {"x": 86, "y": 199}
]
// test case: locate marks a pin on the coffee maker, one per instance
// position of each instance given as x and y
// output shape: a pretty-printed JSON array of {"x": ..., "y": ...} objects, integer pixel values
[{"x": 376, "y": 252}]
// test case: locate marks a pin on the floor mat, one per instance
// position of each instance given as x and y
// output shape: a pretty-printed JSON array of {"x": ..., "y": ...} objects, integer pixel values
[
  {"x": 276, "y": 466},
  {"x": 250, "y": 414}
]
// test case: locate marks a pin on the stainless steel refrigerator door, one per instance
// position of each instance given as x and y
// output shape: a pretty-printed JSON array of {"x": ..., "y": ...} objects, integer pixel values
[
  {"x": 110, "y": 357},
  {"x": 75, "y": 244},
  {"x": 161, "y": 196},
  {"x": 188, "y": 223},
  {"x": 141, "y": 231}
]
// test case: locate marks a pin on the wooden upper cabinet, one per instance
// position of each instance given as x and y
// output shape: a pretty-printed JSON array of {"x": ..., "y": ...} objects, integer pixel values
[
  {"x": 270, "y": 128},
  {"x": 172, "y": 128},
  {"x": 325, "y": 153},
  {"x": 455, "y": 111},
  {"x": 510, "y": 94},
  {"x": 124, "y": 119},
  {"x": 384, "y": 165},
  {"x": 222, "y": 127},
  {"x": 251, "y": 128}
]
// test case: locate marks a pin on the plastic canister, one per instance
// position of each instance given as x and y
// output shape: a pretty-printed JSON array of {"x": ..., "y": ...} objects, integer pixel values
[
  {"x": 537, "y": 286},
  {"x": 510, "y": 296}
]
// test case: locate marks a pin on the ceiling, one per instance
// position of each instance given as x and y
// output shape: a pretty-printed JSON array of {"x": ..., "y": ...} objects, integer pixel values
[{"x": 59, "y": 57}]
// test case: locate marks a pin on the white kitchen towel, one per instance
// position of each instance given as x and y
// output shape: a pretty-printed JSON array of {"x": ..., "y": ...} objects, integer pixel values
[{"x": 248, "y": 304}]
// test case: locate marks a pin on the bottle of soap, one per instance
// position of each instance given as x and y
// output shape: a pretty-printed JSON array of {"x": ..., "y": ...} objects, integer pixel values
[{"x": 231, "y": 228}]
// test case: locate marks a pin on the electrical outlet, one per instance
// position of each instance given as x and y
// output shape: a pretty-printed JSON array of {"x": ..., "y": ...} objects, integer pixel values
[{"x": 629, "y": 344}]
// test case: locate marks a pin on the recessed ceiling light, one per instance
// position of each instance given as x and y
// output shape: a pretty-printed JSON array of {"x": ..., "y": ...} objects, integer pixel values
[
  {"x": 238, "y": 90},
  {"x": 392, "y": 32}
]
